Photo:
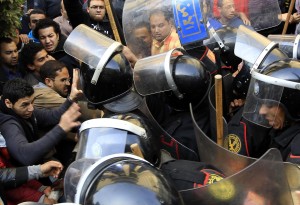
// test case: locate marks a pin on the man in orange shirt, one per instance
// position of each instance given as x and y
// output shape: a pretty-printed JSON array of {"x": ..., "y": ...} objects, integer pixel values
[{"x": 163, "y": 32}]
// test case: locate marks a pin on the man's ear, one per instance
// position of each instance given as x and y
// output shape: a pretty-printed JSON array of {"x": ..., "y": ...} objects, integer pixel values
[
  {"x": 8, "y": 103},
  {"x": 31, "y": 67},
  {"x": 49, "y": 82}
]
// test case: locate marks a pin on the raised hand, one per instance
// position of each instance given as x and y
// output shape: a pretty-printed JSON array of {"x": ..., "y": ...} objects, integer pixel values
[
  {"x": 68, "y": 120},
  {"x": 75, "y": 92}
]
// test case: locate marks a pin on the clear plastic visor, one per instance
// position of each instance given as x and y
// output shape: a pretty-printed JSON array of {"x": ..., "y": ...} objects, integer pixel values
[
  {"x": 154, "y": 74},
  {"x": 262, "y": 105},
  {"x": 251, "y": 46}
]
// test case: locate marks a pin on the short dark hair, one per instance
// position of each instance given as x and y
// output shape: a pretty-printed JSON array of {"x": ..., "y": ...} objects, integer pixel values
[
  {"x": 142, "y": 24},
  {"x": 164, "y": 10},
  {"x": 49, "y": 69},
  {"x": 5, "y": 40},
  {"x": 37, "y": 11},
  {"x": 15, "y": 89},
  {"x": 29, "y": 51},
  {"x": 46, "y": 23},
  {"x": 89, "y": 2}
]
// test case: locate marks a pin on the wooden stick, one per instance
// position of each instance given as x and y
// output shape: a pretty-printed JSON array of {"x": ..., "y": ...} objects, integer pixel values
[
  {"x": 219, "y": 109},
  {"x": 286, "y": 23},
  {"x": 112, "y": 21},
  {"x": 136, "y": 150}
]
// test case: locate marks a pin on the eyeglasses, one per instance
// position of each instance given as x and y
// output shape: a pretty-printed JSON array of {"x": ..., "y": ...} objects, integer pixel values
[
  {"x": 35, "y": 20},
  {"x": 97, "y": 7}
]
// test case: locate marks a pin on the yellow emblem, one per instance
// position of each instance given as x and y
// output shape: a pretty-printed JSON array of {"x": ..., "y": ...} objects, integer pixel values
[
  {"x": 233, "y": 143},
  {"x": 214, "y": 178}
]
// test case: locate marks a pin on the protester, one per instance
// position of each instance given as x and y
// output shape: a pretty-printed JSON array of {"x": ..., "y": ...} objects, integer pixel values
[{"x": 163, "y": 32}]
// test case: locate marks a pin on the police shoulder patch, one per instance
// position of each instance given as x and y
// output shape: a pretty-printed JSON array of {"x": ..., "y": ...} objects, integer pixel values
[{"x": 232, "y": 143}]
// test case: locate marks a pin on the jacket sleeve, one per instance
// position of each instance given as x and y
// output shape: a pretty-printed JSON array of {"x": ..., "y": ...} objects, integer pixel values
[
  {"x": 28, "y": 153},
  {"x": 13, "y": 177},
  {"x": 50, "y": 117},
  {"x": 75, "y": 13}
]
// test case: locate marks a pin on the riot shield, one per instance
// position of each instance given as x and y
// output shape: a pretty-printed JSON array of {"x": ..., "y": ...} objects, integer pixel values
[
  {"x": 289, "y": 44},
  {"x": 262, "y": 182},
  {"x": 168, "y": 143},
  {"x": 212, "y": 153},
  {"x": 256, "y": 49},
  {"x": 292, "y": 172}
]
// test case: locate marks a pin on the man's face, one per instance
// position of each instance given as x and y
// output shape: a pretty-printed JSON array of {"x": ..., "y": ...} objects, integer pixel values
[
  {"x": 160, "y": 27},
  {"x": 34, "y": 18},
  {"x": 48, "y": 38},
  {"x": 97, "y": 10},
  {"x": 9, "y": 54},
  {"x": 61, "y": 83},
  {"x": 274, "y": 114},
  {"x": 227, "y": 10},
  {"x": 40, "y": 58},
  {"x": 23, "y": 107},
  {"x": 144, "y": 35}
]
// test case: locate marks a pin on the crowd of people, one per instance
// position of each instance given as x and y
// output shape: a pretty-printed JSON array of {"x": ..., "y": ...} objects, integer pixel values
[{"x": 48, "y": 93}]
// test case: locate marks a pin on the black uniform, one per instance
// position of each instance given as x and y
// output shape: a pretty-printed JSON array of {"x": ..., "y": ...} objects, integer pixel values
[
  {"x": 246, "y": 138},
  {"x": 179, "y": 125},
  {"x": 288, "y": 141}
]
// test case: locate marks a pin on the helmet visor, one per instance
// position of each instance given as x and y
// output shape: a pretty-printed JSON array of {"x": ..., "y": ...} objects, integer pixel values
[
  {"x": 154, "y": 74},
  {"x": 87, "y": 45},
  {"x": 263, "y": 103},
  {"x": 103, "y": 137},
  {"x": 250, "y": 45}
]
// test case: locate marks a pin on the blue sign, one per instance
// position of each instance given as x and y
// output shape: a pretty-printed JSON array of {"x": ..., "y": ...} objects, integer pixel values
[{"x": 189, "y": 21}]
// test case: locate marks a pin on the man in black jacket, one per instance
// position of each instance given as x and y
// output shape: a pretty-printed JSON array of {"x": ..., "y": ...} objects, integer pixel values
[{"x": 94, "y": 16}]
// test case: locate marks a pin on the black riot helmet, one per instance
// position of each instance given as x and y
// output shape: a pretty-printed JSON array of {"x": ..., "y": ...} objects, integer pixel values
[
  {"x": 192, "y": 80},
  {"x": 114, "y": 81},
  {"x": 120, "y": 179},
  {"x": 105, "y": 72},
  {"x": 120, "y": 133},
  {"x": 182, "y": 78},
  {"x": 276, "y": 85}
]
